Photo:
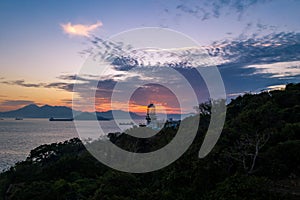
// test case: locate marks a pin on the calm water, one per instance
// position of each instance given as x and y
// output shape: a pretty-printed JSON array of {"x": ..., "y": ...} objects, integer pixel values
[{"x": 17, "y": 138}]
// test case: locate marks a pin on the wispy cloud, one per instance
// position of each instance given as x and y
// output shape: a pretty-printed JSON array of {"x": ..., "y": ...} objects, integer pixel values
[
  {"x": 276, "y": 87},
  {"x": 80, "y": 29},
  {"x": 277, "y": 47},
  {"x": 234, "y": 95},
  {"x": 278, "y": 70},
  {"x": 21, "y": 83},
  {"x": 208, "y": 9},
  {"x": 67, "y": 101}
]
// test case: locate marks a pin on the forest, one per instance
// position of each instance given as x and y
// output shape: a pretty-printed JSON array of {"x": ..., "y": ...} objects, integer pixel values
[{"x": 256, "y": 157}]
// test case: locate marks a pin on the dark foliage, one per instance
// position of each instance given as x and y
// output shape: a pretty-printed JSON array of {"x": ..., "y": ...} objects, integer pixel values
[{"x": 257, "y": 157}]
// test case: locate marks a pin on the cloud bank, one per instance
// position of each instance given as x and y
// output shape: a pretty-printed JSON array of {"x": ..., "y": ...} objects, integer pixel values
[
  {"x": 278, "y": 70},
  {"x": 246, "y": 65}
]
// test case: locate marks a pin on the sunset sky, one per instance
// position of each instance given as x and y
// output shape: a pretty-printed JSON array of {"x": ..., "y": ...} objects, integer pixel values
[{"x": 43, "y": 45}]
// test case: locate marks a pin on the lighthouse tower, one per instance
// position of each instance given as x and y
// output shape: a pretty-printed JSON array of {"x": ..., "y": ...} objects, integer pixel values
[{"x": 151, "y": 115}]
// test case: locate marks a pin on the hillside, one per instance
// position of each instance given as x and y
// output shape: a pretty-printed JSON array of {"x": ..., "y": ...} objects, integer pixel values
[{"x": 256, "y": 157}]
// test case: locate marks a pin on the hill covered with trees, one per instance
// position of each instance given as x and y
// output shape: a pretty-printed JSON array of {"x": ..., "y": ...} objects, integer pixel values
[{"x": 256, "y": 157}]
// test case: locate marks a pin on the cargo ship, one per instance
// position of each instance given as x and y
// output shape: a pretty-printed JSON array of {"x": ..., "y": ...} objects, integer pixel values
[
  {"x": 61, "y": 119},
  {"x": 126, "y": 123}
]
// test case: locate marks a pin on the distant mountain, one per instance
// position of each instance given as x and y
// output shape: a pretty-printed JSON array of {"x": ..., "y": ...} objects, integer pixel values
[
  {"x": 34, "y": 111},
  {"x": 46, "y": 111}
]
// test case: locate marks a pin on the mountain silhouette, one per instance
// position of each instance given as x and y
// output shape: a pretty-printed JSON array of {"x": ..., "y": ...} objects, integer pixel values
[
  {"x": 34, "y": 111},
  {"x": 47, "y": 111}
]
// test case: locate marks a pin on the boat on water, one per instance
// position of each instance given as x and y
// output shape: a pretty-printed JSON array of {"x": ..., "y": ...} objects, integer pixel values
[
  {"x": 142, "y": 125},
  {"x": 18, "y": 118},
  {"x": 126, "y": 123},
  {"x": 61, "y": 119}
]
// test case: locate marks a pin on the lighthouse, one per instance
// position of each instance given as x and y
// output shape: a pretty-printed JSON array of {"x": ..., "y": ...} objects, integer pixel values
[{"x": 151, "y": 114}]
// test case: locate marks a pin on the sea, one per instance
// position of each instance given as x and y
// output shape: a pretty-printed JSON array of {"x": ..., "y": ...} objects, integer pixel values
[{"x": 19, "y": 137}]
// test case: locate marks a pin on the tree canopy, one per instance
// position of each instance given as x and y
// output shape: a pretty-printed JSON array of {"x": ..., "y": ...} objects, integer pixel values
[{"x": 256, "y": 157}]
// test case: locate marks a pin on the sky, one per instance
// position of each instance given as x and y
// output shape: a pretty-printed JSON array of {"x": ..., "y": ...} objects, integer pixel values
[{"x": 44, "y": 45}]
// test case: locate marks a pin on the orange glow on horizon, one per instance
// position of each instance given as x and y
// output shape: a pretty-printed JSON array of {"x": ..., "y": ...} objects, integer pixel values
[
  {"x": 23, "y": 96},
  {"x": 136, "y": 108},
  {"x": 100, "y": 107}
]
